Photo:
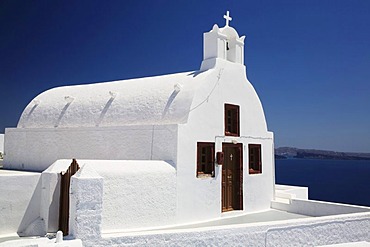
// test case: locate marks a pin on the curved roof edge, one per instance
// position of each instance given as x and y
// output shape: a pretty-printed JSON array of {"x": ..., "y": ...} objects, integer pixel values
[{"x": 152, "y": 101}]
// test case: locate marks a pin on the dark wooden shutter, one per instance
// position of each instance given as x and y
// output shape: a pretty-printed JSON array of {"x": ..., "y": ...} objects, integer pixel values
[
  {"x": 205, "y": 158},
  {"x": 232, "y": 120}
]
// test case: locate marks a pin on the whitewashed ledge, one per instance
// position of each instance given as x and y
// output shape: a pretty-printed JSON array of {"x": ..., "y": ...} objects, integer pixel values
[
  {"x": 353, "y": 244},
  {"x": 42, "y": 242}
]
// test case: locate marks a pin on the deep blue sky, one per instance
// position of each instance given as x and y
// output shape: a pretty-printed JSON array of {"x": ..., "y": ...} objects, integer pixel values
[{"x": 308, "y": 60}]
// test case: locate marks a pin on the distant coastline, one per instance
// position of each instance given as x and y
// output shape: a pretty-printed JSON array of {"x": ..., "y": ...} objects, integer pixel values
[{"x": 297, "y": 153}]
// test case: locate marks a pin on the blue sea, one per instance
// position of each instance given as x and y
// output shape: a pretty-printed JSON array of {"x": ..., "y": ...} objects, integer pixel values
[{"x": 344, "y": 181}]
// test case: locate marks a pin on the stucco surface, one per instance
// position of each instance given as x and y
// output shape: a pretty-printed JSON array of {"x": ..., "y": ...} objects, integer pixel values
[
  {"x": 152, "y": 100},
  {"x": 86, "y": 203},
  {"x": 37, "y": 149},
  {"x": 353, "y": 244},
  {"x": 136, "y": 194},
  {"x": 20, "y": 195},
  {"x": 300, "y": 232},
  {"x": 227, "y": 84}
]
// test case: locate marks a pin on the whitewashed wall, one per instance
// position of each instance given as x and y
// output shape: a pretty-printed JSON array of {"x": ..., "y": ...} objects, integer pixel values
[
  {"x": 86, "y": 204},
  {"x": 300, "y": 232},
  {"x": 37, "y": 149},
  {"x": 20, "y": 196},
  {"x": 136, "y": 194},
  {"x": 226, "y": 83}
]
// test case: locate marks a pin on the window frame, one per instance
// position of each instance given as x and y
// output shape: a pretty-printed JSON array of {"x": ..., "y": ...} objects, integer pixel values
[
  {"x": 207, "y": 171},
  {"x": 252, "y": 170},
  {"x": 235, "y": 120}
]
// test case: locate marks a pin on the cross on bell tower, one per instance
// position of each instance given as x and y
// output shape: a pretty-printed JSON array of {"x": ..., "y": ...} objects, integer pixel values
[{"x": 227, "y": 18}]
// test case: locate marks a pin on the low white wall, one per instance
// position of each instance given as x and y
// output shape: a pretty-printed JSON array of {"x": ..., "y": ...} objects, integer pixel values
[
  {"x": 300, "y": 232},
  {"x": 298, "y": 192},
  {"x": 20, "y": 196},
  {"x": 137, "y": 194},
  {"x": 37, "y": 149},
  {"x": 86, "y": 203},
  {"x": 317, "y": 208}
]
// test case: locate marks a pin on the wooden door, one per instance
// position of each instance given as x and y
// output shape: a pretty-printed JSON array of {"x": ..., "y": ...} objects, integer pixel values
[
  {"x": 64, "y": 197},
  {"x": 232, "y": 177}
]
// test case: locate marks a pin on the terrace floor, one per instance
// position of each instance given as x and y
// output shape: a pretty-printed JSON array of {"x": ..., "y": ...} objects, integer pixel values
[
  {"x": 265, "y": 216},
  {"x": 229, "y": 218}
]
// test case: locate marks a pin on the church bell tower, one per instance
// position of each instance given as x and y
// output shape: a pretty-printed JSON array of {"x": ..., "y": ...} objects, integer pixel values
[{"x": 223, "y": 43}]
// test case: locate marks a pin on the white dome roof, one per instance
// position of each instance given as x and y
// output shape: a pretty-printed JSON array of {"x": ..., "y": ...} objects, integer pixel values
[{"x": 152, "y": 100}]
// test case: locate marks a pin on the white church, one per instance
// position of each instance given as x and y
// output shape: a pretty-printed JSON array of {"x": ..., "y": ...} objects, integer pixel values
[{"x": 155, "y": 153}]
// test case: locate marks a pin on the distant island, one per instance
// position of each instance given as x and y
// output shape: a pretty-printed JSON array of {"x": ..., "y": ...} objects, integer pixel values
[{"x": 297, "y": 153}]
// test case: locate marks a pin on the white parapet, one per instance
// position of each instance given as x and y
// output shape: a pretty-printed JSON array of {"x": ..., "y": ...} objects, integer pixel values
[
  {"x": 20, "y": 196},
  {"x": 137, "y": 194},
  {"x": 317, "y": 208},
  {"x": 86, "y": 202}
]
